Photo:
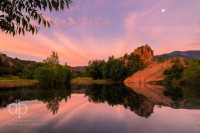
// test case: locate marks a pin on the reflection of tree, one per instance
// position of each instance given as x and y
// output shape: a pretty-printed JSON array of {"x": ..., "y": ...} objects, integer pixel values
[
  {"x": 53, "y": 105},
  {"x": 175, "y": 93},
  {"x": 120, "y": 95},
  {"x": 55, "y": 96},
  {"x": 50, "y": 96}
]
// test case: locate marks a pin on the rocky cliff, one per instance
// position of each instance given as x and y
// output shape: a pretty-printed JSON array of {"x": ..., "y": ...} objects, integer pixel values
[{"x": 145, "y": 53}]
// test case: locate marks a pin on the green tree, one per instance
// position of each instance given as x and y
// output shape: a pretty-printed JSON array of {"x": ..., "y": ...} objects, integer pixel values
[
  {"x": 118, "y": 70},
  {"x": 53, "y": 59},
  {"x": 107, "y": 67},
  {"x": 28, "y": 72},
  {"x": 4, "y": 67},
  {"x": 63, "y": 74},
  {"x": 53, "y": 62},
  {"x": 134, "y": 63},
  {"x": 18, "y": 67},
  {"x": 95, "y": 68},
  {"x": 174, "y": 73},
  {"x": 115, "y": 69},
  {"x": 16, "y": 15},
  {"x": 60, "y": 74},
  {"x": 45, "y": 75},
  {"x": 191, "y": 74},
  {"x": 68, "y": 73}
]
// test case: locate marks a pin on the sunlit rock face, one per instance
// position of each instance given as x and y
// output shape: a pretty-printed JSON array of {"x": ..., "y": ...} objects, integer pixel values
[
  {"x": 153, "y": 72},
  {"x": 145, "y": 53}
]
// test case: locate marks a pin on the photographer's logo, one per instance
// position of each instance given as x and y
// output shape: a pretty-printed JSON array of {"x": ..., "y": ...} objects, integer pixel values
[{"x": 17, "y": 108}]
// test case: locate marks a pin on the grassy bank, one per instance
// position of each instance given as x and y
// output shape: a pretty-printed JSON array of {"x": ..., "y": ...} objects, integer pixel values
[
  {"x": 88, "y": 80},
  {"x": 15, "y": 79}
]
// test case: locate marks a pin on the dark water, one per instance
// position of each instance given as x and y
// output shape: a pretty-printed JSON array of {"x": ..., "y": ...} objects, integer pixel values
[{"x": 112, "y": 108}]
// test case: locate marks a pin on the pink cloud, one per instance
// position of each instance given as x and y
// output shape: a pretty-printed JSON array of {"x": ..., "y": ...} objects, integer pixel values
[{"x": 107, "y": 22}]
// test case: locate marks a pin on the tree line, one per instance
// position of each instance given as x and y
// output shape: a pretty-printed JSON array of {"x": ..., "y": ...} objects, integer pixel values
[
  {"x": 50, "y": 71},
  {"x": 178, "y": 74},
  {"x": 116, "y": 69}
]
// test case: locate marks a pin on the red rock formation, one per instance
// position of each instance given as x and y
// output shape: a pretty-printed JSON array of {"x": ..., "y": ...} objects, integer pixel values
[
  {"x": 145, "y": 53},
  {"x": 154, "y": 72}
]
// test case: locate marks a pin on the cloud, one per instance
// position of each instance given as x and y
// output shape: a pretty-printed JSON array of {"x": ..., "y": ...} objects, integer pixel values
[
  {"x": 84, "y": 32},
  {"x": 127, "y": 2},
  {"x": 130, "y": 21},
  {"x": 107, "y": 22},
  {"x": 58, "y": 21},
  {"x": 70, "y": 21}
]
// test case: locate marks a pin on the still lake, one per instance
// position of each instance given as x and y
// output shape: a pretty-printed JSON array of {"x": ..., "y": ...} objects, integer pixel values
[{"x": 106, "y": 108}]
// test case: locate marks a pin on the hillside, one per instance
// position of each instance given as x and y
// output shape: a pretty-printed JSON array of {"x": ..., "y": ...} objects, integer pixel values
[
  {"x": 157, "y": 65},
  {"x": 154, "y": 72},
  {"x": 191, "y": 54},
  {"x": 4, "y": 59},
  {"x": 13, "y": 66}
]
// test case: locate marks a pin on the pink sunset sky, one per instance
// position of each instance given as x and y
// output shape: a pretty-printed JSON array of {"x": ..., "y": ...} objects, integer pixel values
[{"x": 96, "y": 29}]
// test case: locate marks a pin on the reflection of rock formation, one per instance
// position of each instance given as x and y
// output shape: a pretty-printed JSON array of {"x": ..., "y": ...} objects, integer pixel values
[
  {"x": 120, "y": 95},
  {"x": 155, "y": 94},
  {"x": 146, "y": 109},
  {"x": 140, "y": 105}
]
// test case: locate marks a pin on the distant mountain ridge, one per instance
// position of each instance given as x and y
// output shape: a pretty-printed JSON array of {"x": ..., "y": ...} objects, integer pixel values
[{"x": 191, "y": 54}]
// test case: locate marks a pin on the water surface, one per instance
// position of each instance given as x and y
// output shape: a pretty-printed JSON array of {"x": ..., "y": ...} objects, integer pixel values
[{"x": 101, "y": 109}]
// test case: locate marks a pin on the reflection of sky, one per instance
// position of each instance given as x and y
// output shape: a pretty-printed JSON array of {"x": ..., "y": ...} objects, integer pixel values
[
  {"x": 79, "y": 115},
  {"x": 93, "y": 29}
]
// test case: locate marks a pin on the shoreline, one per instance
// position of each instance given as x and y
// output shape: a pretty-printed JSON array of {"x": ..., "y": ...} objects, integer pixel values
[{"x": 8, "y": 84}]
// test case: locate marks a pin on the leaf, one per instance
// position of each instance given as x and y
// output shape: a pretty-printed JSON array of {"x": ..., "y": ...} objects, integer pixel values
[
  {"x": 27, "y": 18},
  {"x": 50, "y": 6},
  {"x": 48, "y": 24},
  {"x": 18, "y": 20},
  {"x": 62, "y": 4},
  {"x": 13, "y": 33},
  {"x": 39, "y": 20},
  {"x": 20, "y": 30},
  {"x": 23, "y": 31},
  {"x": 44, "y": 22}
]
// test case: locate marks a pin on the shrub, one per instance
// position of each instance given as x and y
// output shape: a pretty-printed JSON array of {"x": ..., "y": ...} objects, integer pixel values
[
  {"x": 191, "y": 74},
  {"x": 45, "y": 75}
]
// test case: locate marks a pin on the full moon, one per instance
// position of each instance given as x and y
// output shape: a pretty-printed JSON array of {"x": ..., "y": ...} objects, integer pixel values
[{"x": 163, "y": 10}]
